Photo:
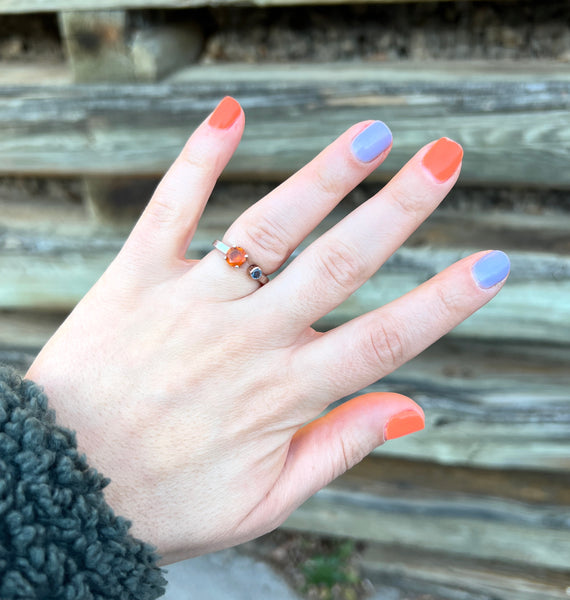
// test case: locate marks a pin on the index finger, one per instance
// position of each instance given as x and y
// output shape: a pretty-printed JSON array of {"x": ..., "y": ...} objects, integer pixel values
[{"x": 169, "y": 222}]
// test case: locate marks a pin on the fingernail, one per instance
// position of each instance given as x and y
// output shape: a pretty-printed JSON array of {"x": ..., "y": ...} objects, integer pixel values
[
  {"x": 371, "y": 142},
  {"x": 226, "y": 113},
  {"x": 491, "y": 269},
  {"x": 443, "y": 158},
  {"x": 403, "y": 423}
]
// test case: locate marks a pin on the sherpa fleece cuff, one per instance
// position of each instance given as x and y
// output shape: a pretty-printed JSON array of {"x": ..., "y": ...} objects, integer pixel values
[{"x": 58, "y": 537}]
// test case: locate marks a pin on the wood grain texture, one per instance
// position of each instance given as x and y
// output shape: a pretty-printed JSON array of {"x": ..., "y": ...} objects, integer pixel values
[
  {"x": 157, "y": 51},
  {"x": 487, "y": 404},
  {"x": 533, "y": 307},
  {"x": 96, "y": 43},
  {"x": 26, "y": 6},
  {"x": 51, "y": 266},
  {"x": 34, "y": 74},
  {"x": 404, "y": 574},
  {"x": 453, "y": 522},
  {"x": 449, "y": 525},
  {"x": 104, "y": 46},
  {"x": 514, "y": 124},
  {"x": 26, "y": 332}
]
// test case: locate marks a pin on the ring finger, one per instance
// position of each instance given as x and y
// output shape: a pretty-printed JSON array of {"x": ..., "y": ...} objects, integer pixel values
[{"x": 273, "y": 227}]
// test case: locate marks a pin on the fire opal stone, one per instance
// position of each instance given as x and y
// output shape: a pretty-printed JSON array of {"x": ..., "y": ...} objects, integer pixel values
[{"x": 236, "y": 256}]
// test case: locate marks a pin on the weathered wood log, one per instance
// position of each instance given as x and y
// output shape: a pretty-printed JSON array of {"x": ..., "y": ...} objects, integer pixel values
[
  {"x": 34, "y": 74},
  {"x": 103, "y": 47},
  {"x": 27, "y": 332},
  {"x": 292, "y": 114},
  {"x": 487, "y": 406},
  {"x": 116, "y": 202},
  {"x": 97, "y": 45},
  {"x": 431, "y": 517},
  {"x": 533, "y": 306},
  {"x": 402, "y": 574},
  {"x": 25, "y": 6},
  {"x": 464, "y": 220},
  {"x": 158, "y": 51},
  {"x": 53, "y": 270}
]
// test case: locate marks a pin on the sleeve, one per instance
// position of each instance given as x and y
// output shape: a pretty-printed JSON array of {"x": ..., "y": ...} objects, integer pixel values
[{"x": 58, "y": 537}]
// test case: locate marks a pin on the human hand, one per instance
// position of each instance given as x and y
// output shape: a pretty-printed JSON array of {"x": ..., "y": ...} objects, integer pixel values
[{"x": 191, "y": 386}]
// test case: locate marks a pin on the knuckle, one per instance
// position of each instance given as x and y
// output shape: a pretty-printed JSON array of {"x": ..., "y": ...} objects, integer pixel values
[
  {"x": 271, "y": 239},
  {"x": 340, "y": 265},
  {"x": 411, "y": 204},
  {"x": 326, "y": 187},
  {"x": 344, "y": 460},
  {"x": 351, "y": 452},
  {"x": 161, "y": 212},
  {"x": 449, "y": 302},
  {"x": 199, "y": 161},
  {"x": 386, "y": 347}
]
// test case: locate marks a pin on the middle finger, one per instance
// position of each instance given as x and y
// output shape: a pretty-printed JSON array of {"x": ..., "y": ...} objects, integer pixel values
[
  {"x": 275, "y": 225},
  {"x": 339, "y": 262}
]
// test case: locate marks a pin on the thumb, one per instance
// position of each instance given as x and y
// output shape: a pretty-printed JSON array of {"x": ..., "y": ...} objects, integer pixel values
[{"x": 329, "y": 446}]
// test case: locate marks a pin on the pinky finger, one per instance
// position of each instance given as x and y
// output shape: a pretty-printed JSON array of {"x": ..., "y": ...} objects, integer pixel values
[{"x": 360, "y": 352}]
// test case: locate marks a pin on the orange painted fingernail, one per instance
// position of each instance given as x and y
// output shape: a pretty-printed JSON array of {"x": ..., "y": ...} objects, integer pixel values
[
  {"x": 403, "y": 423},
  {"x": 226, "y": 113},
  {"x": 443, "y": 158}
]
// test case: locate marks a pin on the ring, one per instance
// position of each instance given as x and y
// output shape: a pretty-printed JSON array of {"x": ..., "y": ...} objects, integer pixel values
[{"x": 236, "y": 257}]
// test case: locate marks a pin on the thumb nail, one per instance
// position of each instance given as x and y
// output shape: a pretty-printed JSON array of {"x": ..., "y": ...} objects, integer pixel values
[{"x": 403, "y": 423}]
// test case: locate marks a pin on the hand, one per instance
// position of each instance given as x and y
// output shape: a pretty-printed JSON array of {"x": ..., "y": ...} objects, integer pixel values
[{"x": 191, "y": 386}]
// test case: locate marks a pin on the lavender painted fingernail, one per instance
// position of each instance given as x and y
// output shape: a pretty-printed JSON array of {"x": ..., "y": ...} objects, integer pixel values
[
  {"x": 491, "y": 269},
  {"x": 371, "y": 142}
]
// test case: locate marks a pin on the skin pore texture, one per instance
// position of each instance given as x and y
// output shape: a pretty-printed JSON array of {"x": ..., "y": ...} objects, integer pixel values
[{"x": 200, "y": 393}]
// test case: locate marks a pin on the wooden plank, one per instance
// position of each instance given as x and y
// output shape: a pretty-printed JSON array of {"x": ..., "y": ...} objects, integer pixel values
[
  {"x": 116, "y": 202},
  {"x": 404, "y": 574},
  {"x": 533, "y": 306},
  {"x": 499, "y": 407},
  {"x": 27, "y": 331},
  {"x": 293, "y": 113},
  {"x": 34, "y": 74},
  {"x": 467, "y": 219},
  {"x": 26, "y": 6},
  {"x": 42, "y": 208},
  {"x": 450, "y": 522},
  {"x": 103, "y": 46},
  {"x": 447, "y": 518},
  {"x": 46, "y": 271},
  {"x": 159, "y": 50},
  {"x": 389, "y": 476},
  {"x": 97, "y": 45}
]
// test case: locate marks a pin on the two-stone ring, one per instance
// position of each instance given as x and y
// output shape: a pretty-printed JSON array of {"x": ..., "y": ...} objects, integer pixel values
[{"x": 237, "y": 257}]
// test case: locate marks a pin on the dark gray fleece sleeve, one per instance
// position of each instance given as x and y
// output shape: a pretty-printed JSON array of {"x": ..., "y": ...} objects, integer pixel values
[{"x": 58, "y": 537}]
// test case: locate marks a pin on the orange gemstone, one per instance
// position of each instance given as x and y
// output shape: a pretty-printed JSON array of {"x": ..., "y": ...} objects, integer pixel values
[{"x": 236, "y": 256}]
